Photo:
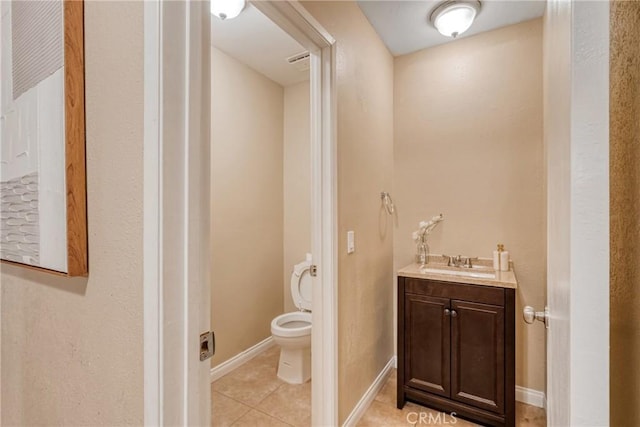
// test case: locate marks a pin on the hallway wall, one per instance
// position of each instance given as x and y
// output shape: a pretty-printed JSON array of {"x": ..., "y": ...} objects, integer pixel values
[
  {"x": 72, "y": 350},
  {"x": 364, "y": 77},
  {"x": 625, "y": 211}
]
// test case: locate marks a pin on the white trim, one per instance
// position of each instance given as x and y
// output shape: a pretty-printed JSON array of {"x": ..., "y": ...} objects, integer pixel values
[
  {"x": 531, "y": 397},
  {"x": 197, "y": 239},
  {"x": 368, "y": 397},
  {"x": 152, "y": 202},
  {"x": 240, "y": 359},
  {"x": 588, "y": 304},
  {"x": 186, "y": 211},
  {"x": 293, "y": 18},
  {"x": 299, "y": 24},
  {"x": 176, "y": 385},
  {"x": 324, "y": 239}
]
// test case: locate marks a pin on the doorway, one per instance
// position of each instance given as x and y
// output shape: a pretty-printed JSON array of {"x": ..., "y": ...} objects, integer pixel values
[
  {"x": 177, "y": 174},
  {"x": 260, "y": 222}
]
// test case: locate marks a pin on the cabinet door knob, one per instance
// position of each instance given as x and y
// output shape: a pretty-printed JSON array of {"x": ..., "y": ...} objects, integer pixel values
[
  {"x": 447, "y": 312},
  {"x": 454, "y": 313}
]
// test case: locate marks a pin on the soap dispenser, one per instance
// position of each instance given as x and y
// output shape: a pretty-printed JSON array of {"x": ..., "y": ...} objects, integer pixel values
[
  {"x": 504, "y": 259},
  {"x": 496, "y": 257},
  {"x": 501, "y": 259}
]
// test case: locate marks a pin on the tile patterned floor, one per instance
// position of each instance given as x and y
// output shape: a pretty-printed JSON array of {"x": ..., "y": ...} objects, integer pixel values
[
  {"x": 383, "y": 412},
  {"x": 252, "y": 395}
]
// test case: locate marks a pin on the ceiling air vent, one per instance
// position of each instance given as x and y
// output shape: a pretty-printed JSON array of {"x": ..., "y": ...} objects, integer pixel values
[{"x": 300, "y": 61}]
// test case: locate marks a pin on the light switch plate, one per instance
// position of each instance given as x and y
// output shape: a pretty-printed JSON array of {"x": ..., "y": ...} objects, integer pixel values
[{"x": 351, "y": 242}]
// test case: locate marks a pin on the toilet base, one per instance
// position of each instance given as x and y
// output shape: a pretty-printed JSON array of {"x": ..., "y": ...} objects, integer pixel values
[{"x": 294, "y": 366}]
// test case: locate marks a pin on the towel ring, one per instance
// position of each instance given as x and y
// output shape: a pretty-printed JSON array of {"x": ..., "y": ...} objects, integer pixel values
[{"x": 387, "y": 202}]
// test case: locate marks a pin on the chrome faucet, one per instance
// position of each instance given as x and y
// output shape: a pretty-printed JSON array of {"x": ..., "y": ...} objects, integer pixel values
[
  {"x": 453, "y": 261},
  {"x": 468, "y": 260},
  {"x": 460, "y": 261}
]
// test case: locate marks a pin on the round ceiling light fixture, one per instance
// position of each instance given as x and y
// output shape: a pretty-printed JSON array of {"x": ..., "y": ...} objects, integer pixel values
[
  {"x": 227, "y": 9},
  {"x": 454, "y": 17}
]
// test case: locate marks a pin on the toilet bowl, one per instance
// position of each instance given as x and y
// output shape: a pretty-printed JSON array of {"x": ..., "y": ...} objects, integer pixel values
[{"x": 292, "y": 331}]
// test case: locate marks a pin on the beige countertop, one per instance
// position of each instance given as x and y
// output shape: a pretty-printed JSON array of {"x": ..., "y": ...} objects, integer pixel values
[{"x": 503, "y": 279}]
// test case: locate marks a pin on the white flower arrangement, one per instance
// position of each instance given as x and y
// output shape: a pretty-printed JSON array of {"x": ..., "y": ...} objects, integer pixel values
[
  {"x": 420, "y": 238},
  {"x": 425, "y": 228}
]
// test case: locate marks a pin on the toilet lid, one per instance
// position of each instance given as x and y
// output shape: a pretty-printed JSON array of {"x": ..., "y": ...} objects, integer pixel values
[{"x": 301, "y": 285}]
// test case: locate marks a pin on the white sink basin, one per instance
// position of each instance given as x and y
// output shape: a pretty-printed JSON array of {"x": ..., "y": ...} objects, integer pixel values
[{"x": 463, "y": 273}]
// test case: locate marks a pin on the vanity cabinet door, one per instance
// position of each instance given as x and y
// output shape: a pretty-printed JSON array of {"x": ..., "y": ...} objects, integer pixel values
[
  {"x": 427, "y": 343},
  {"x": 478, "y": 355}
]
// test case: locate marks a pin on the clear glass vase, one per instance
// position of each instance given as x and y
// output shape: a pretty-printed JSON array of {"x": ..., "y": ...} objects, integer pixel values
[{"x": 422, "y": 253}]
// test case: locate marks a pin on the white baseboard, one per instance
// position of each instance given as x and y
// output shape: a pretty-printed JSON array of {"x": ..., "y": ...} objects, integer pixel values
[
  {"x": 371, "y": 393},
  {"x": 531, "y": 397},
  {"x": 239, "y": 359}
]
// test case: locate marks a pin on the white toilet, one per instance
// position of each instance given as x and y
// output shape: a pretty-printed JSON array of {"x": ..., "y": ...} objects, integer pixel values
[{"x": 292, "y": 331}]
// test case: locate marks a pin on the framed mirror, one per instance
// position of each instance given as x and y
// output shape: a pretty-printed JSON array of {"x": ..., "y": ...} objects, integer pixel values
[{"x": 43, "y": 212}]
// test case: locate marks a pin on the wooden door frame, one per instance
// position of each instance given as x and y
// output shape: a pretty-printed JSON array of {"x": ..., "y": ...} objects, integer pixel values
[{"x": 176, "y": 207}]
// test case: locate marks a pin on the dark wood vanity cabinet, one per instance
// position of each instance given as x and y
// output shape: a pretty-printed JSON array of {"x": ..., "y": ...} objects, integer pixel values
[{"x": 456, "y": 349}]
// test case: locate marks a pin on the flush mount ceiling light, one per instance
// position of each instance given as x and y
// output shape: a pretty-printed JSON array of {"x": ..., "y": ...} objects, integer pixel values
[
  {"x": 227, "y": 9},
  {"x": 454, "y": 17}
]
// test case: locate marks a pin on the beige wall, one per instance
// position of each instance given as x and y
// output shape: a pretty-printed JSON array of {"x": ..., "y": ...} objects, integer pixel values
[
  {"x": 297, "y": 182},
  {"x": 246, "y": 205},
  {"x": 365, "y": 164},
  {"x": 625, "y": 208},
  {"x": 468, "y": 144},
  {"x": 72, "y": 348}
]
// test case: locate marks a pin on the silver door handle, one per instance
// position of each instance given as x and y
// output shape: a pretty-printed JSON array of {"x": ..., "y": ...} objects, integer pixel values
[{"x": 531, "y": 315}]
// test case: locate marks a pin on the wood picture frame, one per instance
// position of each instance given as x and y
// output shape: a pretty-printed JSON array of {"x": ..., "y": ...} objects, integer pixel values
[{"x": 73, "y": 199}]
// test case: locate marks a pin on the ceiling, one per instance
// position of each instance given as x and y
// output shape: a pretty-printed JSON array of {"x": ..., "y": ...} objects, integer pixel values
[
  {"x": 404, "y": 25},
  {"x": 256, "y": 41}
]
